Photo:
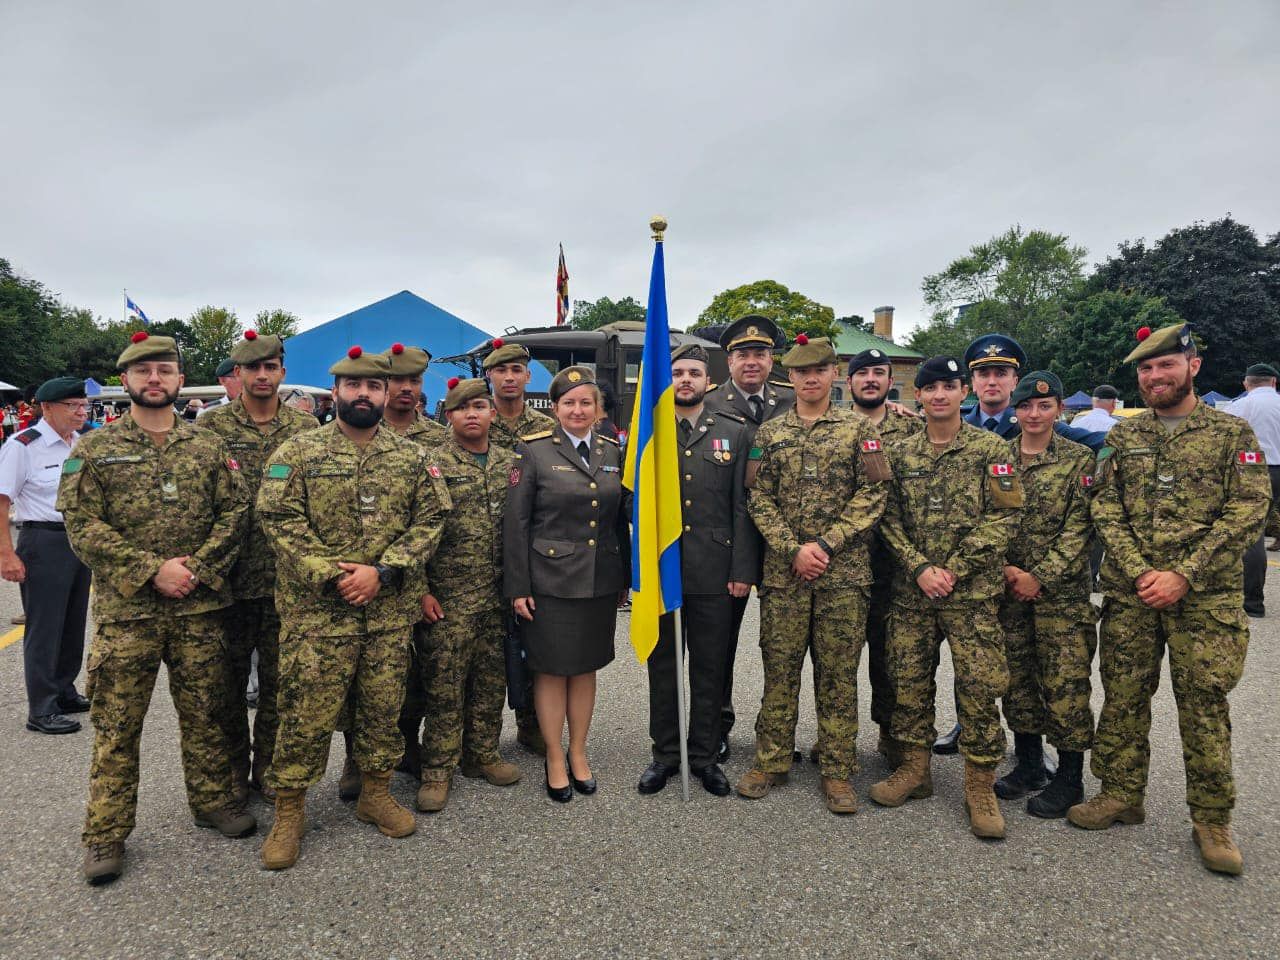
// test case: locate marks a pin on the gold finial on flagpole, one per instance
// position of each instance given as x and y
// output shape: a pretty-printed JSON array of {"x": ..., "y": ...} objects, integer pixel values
[{"x": 658, "y": 225}]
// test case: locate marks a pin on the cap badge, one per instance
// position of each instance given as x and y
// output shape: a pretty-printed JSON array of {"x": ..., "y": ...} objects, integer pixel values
[
  {"x": 992, "y": 349},
  {"x": 753, "y": 331},
  {"x": 1042, "y": 387},
  {"x": 573, "y": 376},
  {"x": 951, "y": 365}
]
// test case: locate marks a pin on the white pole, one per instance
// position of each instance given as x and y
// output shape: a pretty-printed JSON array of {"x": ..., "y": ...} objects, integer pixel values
[{"x": 682, "y": 708}]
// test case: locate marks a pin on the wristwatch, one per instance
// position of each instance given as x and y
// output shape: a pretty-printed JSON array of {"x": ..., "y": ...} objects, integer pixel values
[{"x": 388, "y": 576}]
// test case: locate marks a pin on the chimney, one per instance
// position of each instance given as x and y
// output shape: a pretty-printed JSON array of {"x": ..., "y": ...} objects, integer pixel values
[{"x": 883, "y": 326}]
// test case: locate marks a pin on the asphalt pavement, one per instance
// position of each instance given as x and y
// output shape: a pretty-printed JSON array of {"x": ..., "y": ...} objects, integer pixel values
[{"x": 504, "y": 872}]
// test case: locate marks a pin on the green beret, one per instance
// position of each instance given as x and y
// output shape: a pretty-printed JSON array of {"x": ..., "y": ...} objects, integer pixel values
[
  {"x": 254, "y": 348},
  {"x": 809, "y": 352},
  {"x": 1175, "y": 338},
  {"x": 226, "y": 368},
  {"x": 357, "y": 363},
  {"x": 567, "y": 379},
  {"x": 406, "y": 361},
  {"x": 60, "y": 388},
  {"x": 501, "y": 352},
  {"x": 462, "y": 391},
  {"x": 1036, "y": 385},
  {"x": 143, "y": 346},
  {"x": 689, "y": 351},
  {"x": 1257, "y": 370},
  {"x": 752, "y": 330}
]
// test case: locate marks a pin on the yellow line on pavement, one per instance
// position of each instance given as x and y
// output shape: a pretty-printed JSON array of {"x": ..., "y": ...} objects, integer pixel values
[{"x": 14, "y": 635}]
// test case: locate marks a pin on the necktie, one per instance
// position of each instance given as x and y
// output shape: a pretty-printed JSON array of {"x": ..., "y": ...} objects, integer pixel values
[
  {"x": 990, "y": 423},
  {"x": 584, "y": 452},
  {"x": 686, "y": 431},
  {"x": 757, "y": 408}
]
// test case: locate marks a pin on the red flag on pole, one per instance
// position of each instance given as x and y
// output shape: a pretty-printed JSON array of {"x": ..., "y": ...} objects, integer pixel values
[{"x": 562, "y": 290}]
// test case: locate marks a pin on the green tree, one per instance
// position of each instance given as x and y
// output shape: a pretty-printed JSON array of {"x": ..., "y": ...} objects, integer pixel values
[
  {"x": 791, "y": 310},
  {"x": 591, "y": 316},
  {"x": 27, "y": 314},
  {"x": 279, "y": 323},
  {"x": 214, "y": 330},
  {"x": 855, "y": 321},
  {"x": 1220, "y": 278}
]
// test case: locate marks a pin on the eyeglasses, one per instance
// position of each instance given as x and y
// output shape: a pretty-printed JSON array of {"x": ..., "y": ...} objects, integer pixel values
[{"x": 73, "y": 404}]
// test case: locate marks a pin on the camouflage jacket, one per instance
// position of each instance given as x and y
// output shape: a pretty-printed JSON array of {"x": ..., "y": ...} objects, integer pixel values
[
  {"x": 825, "y": 483},
  {"x": 956, "y": 509},
  {"x": 507, "y": 434},
  {"x": 1054, "y": 534},
  {"x": 254, "y": 574},
  {"x": 1189, "y": 501},
  {"x": 429, "y": 433},
  {"x": 130, "y": 505},
  {"x": 325, "y": 500},
  {"x": 465, "y": 574}
]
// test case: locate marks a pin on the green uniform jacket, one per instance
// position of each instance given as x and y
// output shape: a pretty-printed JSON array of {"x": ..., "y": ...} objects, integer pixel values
[
  {"x": 325, "y": 500},
  {"x": 956, "y": 509},
  {"x": 465, "y": 574},
  {"x": 1054, "y": 533},
  {"x": 429, "y": 433},
  {"x": 1189, "y": 501},
  {"x": 130, "y": 505},
  {"x": 826, "y": 483},
  {"x": 254, "y": 574},
  {"x": 530, "y": 421}
]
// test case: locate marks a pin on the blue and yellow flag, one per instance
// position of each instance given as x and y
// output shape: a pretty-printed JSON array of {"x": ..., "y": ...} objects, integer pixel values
[{"x": 653, "y": 476}]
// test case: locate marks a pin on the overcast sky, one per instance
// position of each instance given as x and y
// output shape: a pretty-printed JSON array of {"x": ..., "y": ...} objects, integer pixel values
[{"x": 265, "y": 155}]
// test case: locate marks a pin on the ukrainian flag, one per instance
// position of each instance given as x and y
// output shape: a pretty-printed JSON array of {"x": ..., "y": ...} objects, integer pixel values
[{"x": 653, "y": 476}]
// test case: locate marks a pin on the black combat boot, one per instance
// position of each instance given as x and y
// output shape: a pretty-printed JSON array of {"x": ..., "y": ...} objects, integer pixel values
[
  {"x": 1064, "y": 792},
  {"x": 1030, "y": 774}
]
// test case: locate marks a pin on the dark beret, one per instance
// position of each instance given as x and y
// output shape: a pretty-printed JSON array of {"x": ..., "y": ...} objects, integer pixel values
[
  {"x": 1105, "y": 391},
  {"x": 60, "y": 388},
  {"x": 226, "y": 368},
  {"x": 567, "y": 379},
  {"x": 1038, "y": 384},
  {"x": 1262, "y": 370},
  {"x": 939, "y": 368},
  {"x": 689, "y": 351},
  {"x": 869, "y": 358}
]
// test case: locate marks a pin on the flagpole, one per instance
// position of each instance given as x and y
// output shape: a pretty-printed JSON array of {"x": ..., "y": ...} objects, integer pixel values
[{"x": 682, "y": 708}]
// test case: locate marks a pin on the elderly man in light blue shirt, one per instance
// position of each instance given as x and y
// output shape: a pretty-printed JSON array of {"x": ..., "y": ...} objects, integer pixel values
[
  {"x": 1261, "y": 407},
  {"x": 1099, "y": 419}
]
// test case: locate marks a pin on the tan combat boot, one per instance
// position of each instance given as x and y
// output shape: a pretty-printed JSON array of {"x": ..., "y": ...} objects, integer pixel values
[
  {"x": 284, "y": 842},
  {"x": 376, "y": 806},
  {"x": 500, "y": 774},
  {"x": 349, "y": 782},
  {"x": 889, "y": 748},
  {"x": 756, "y": 783},
  {"x": 103, "y": 862},
  {"x": 1102, "y": 811},
  {"x": 985, "y": 819},
  {"x": 910, "y": 781},
  {"x": 840, "y": 795},
  {"x": 433, "y": 795},
  {"x": 1217, "y": 849}
]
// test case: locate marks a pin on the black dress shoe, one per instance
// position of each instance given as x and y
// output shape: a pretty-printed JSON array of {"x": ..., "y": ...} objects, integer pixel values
[
  {"x": 655, "y": 777},
  {"x": 53, "y": 723},
  {"x": 558, "y": 794},
  {"x": 74, "y": 704},
  {"x": 949, "y": 742},
  {"x": 722, "y": 752},
  {"x": 585, "y": 787},
  {"x": 713, "y": 780}
]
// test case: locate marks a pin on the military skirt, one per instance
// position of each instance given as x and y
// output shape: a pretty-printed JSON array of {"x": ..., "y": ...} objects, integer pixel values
[{"x": 568, "y": 637}]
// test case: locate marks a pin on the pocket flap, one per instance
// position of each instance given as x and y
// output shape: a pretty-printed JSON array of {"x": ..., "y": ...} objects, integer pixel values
[{"x": 553, "y": 548}]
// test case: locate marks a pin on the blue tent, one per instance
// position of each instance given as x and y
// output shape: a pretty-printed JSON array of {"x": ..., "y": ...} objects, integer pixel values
[
  {"x": 1213, "y": 398},
  {"x": 401, "y": 318},
  {"x": 92, "y": 387},
  {"x": 1078, "y": 401}
]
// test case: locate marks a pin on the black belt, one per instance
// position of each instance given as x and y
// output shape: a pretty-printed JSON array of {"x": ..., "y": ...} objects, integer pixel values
[{"x": 44, "y": 525}]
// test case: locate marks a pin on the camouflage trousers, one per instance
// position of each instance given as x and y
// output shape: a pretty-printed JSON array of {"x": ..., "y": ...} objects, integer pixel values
[
  {"x": 1049, "y": 647},
  {"x": 830, "y": 624},
  {"x": 123, "y": 661},
  {"x": 1206, "y": 658},
  {"x": 465, "y": 691},
  {"x": 316, "y": 676},
  {"x": 251, "y": 625},
  {"x": 971, "y": 630}
]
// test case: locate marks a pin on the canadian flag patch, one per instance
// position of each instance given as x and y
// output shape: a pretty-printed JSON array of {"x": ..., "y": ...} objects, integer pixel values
[
  {"x": 233, "y": 463},
  {"x": 1002, "y": 469},
  {"x": 1086, "y": 480},
  {"x": 870, "y": 446},
  {"x": 434, "y": 471},
  {"x": 1251, "y": 456}
]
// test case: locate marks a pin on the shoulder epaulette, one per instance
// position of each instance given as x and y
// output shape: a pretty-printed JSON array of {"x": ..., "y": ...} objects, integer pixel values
[
  {"x": 27, "y": 437},
  {"x": 605, "y": 436},
  {"x": 714, "y": 387},
  {"x": 730, "y": 415},
  {"x": 541, "y": 435},
  {"x": 780, "y": 386}
]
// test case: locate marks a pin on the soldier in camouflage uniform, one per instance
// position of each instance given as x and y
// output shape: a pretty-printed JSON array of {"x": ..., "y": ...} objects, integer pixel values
[
  {"x": 953, "y": 506},
  {"x": 252, "y": 426},
  {"x": 156, "y": 509},
  {"x": 506, "y": 367},
  {"x": 819, "y": 489},
  {"x": 1050, "y": 629},
  {"x": 870, "y": 379},
  {"x": 1176, "y": 491},
  {"x": 462, "y": 648},
  {"x": 353, "y": 512}
]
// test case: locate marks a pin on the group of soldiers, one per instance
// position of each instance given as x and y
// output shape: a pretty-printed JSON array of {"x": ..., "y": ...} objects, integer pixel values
[{"x": 362, "y": 562}]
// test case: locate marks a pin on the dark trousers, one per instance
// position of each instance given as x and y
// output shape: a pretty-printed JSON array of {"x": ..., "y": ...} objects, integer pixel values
[
  {"x": 1255, "y": 557},
  {"x": 739, "y": 606},
  {"x": 55, "y": 598},
  {"x": 880, "y": 602},
  {"x": 707, "y": 623}
]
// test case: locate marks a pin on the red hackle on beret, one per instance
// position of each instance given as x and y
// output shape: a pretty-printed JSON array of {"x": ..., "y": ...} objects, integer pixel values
[
  {"x": 453, "y": 382},
  {"x": 251, "y": 334},
  {"x": 1143, "y": 333},
  {"x": 497, "y": 342},
  {"x": 802, "y": 339},
  {"x": 397, "y": 348},
  {"x": 354, "y": 353},
  {"x": 139, "y": 336}
]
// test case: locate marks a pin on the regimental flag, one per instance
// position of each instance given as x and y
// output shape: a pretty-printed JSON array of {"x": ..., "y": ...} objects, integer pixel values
[
  {"x": 562, "y": 290},
  {"x": 133, "y": 310},
  {"x": 652, "y": 474}
]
